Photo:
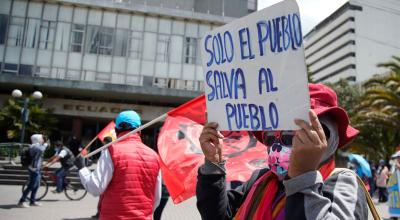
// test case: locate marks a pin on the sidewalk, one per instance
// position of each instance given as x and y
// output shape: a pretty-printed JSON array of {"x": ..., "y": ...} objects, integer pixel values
[{"x": 58, "y": 207}]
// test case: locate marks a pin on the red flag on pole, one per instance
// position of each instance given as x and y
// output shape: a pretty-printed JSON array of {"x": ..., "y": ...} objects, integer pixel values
[
  {"x": 109, "y": 130},
  {"x": 181, "y": 155},
  {"x": 194, "y": 110}
]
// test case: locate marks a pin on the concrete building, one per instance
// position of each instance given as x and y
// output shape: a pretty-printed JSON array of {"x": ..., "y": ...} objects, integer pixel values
[
  {"x": 353, "y": 40},
  {"x": 93, "y": 58}
]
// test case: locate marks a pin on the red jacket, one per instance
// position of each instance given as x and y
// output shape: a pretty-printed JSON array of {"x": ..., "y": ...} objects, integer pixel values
[{"x": 130, "y": 194}]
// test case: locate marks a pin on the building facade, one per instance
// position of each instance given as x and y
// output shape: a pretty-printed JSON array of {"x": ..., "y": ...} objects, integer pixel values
[
  {"x": 92, "y": 58},
  {"x": 353, "y": 40}
]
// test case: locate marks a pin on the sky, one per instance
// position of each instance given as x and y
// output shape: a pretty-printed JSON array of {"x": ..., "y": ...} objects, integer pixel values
[{"x": 311, "y": 11}]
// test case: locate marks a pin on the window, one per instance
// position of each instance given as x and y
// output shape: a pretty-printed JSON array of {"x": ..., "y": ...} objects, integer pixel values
[
  {"x": 42, "y": 72},
  {"x": 58, "y": 73},
  {"x": 10, "y": 68},
  {"x": 176, "y": 48},
  {"x": 15, "y": 32},
  {"x": 185, "y": 84},
  {"x": 190, "y": 50},
  {"x": 188, "y": 85},
  {"x": 121, "y": 42},
  {"x": 172, "y": 83},
  {"x": 200, "y": 86},
  {"x": 25, "y": 70},
  {"x": 163, "y": 43},
  {"x": 47, "y": 31},
  {"x": 103, "y": 77},
  {"x": 134, "y": 80},
  {"x": 136, "y": 43},
  {"x": 3, "y": 28},
  {"x": 73, "y": 74},
  {"x": 62, "y": 36},
  {"x": 160, "y": 82},
  {"x": 99, "y": 40},
  {"x": 106, "y": 35},
  {"x": 32, "y": 33},
  {"x": 77, "y": 36}
]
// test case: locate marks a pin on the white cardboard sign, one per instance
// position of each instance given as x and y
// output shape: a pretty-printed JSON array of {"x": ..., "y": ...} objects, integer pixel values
[{"x": 255, "y": 72}]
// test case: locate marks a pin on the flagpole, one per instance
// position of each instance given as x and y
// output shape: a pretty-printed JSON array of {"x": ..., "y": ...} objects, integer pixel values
[
  {"x": 160, "y": 118},
  {"x": 87, "y": 146}
]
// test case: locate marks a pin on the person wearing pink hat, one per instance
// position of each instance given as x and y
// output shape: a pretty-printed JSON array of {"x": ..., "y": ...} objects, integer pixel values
[{"x": 299, "y": 183}]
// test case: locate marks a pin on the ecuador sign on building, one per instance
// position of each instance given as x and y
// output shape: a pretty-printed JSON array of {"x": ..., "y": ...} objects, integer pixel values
[{"x": 255, "y": 72}]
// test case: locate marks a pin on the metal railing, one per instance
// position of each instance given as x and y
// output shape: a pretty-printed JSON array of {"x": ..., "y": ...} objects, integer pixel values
[{"x": 11, "y": 150}]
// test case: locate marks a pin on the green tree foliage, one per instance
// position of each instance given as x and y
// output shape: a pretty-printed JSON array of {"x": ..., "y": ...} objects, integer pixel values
[
  {"x": 40, "y": 121},
  {"x": 378, "y": 114},
  {"x": 374, "y": 109},
  {"x": 349, "y": 95}
]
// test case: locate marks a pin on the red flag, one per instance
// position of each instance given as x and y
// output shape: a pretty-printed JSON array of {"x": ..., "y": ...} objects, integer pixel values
[
  {"x": 181, "y": 155},
  {"x": 109, "y": 130},
  {"x": 195, "y": 110}
]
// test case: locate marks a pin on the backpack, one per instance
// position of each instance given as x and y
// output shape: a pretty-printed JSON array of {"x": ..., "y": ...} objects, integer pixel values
[{"x": 26, "y": 157}]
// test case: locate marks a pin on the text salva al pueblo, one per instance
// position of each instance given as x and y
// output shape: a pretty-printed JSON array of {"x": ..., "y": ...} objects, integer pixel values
[{"x": 278, "y": 35}]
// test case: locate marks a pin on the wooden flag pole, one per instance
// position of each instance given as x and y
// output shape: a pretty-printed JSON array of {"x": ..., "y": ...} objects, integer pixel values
[
  {"x": 87, "y": 146},
  {"x": 160, "y": 118}
]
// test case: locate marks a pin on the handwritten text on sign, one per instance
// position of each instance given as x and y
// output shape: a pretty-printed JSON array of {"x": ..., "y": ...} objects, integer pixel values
[{"x": 255, "y": 74}]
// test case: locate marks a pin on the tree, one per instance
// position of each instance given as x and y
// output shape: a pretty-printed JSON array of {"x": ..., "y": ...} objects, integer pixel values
[
  {"x": 378, "y": 114},
  {"x": 40, "y": 120},
  {"x": 349, "y": 95}
]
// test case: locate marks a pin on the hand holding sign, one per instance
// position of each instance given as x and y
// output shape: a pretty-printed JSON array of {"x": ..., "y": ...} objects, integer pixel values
[
  {"x": 309, "y": 145},
  {"x": 255, "y": 72},
  {"x": 210, "y": 141}
]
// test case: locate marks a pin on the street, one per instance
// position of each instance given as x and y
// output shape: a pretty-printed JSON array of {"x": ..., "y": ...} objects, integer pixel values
[{"x": 58, "y": 207}]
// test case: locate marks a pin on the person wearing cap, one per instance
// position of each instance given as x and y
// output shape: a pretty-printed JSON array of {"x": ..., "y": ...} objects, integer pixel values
[
  {"x": 127, "y": 175},
  {"x": 299, "y": 183}
]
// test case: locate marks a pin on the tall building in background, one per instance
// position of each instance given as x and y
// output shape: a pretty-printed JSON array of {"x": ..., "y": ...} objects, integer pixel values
[
  {"x": 353, "y": 40},
  {"x": 94, "y": 58}
]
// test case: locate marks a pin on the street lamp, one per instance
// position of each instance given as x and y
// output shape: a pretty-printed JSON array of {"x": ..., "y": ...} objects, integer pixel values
[{"x": 16, "y": 93}]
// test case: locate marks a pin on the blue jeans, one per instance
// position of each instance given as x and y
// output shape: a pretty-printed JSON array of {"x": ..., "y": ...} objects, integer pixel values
[
  {"x": 61, "y": 174},
  {"x": 33, "y": 186}
]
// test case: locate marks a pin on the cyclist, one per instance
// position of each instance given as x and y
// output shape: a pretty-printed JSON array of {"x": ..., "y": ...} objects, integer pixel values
[{"x": 66, "y": 158}]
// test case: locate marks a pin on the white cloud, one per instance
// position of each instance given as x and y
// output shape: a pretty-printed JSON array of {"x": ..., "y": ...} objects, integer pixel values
[{"x": 311, "y": 11}]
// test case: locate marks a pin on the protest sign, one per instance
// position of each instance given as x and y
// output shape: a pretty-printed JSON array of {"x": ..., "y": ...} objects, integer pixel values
[{"x": 254, "y": 71}]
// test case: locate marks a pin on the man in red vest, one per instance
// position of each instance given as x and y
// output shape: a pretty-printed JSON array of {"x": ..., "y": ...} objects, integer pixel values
[{"x": 127, "y": 175}]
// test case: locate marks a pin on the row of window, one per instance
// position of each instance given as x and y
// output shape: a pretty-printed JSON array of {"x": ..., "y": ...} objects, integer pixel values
[
  {"x": 61, "y": 73},
  {"x": 178, "y": 84},
  {"x": 93, "y": 39}
]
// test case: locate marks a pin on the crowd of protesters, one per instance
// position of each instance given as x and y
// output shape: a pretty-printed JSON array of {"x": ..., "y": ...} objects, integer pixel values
[{"x": 301, "y": 181}]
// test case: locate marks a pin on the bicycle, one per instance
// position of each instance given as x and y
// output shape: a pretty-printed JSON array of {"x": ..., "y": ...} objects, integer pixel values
[{"x": 72, "y": 191}]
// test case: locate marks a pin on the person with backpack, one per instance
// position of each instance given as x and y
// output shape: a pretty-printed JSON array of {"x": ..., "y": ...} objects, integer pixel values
[
  {"x": 66, "y": 158},
  {"x": 32, "y": 158}
]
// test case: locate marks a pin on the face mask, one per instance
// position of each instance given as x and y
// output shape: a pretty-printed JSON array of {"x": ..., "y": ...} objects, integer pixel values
[
  {"x": 280, "y": 148},
  {"x": 278, "y": 159}
]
